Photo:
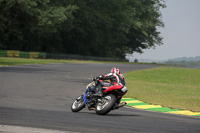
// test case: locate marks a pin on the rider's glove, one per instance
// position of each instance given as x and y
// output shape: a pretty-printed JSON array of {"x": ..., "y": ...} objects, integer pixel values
[{"x": 94, "y": 78}]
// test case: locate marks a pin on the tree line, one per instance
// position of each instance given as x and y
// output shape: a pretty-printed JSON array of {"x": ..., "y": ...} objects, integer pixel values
[
  {"x": 190, "y": 64},
  {"x": 105, "y": 28}
]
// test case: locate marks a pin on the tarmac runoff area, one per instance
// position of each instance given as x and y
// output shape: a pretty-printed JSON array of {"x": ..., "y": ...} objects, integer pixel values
[
  {"x": 131, "y": 102},
  {"x": 18, "y": 129}
]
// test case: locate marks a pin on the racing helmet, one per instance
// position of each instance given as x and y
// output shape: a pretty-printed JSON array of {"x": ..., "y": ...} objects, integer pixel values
[{"x": 115, "y": 70}]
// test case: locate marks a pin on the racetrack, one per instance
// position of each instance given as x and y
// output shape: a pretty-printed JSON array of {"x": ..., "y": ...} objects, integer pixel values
[{"x": 41, "y": 96}]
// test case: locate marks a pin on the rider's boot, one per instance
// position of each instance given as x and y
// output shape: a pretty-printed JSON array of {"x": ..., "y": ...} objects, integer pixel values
[{"x": 92, "y": 108}]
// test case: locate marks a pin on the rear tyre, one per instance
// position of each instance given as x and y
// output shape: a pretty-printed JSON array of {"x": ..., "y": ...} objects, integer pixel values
[
  {"x": 78, "y": 104},
  {"x": 106, "y": 105}
]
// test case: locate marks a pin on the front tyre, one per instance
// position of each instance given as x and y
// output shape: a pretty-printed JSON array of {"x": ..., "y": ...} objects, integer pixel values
[
  {"x": 106, "y": 105},
  {"x": 78, "y": 104}
]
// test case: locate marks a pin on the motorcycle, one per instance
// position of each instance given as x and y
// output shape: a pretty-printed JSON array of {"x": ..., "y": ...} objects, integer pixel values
[{"x": 101, "y": 104}]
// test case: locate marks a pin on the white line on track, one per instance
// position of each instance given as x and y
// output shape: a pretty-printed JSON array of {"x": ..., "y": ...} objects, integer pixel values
[{"x": 18, "y": 129}]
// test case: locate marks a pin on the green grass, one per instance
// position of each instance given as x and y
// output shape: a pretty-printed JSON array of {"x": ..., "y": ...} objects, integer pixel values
[
  {"x": 170, "y": 87},
  {"x": 6, "y": 61}
]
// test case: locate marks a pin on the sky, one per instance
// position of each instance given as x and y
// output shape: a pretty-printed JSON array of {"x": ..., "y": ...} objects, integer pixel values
[{"x": 181, "y": 34}]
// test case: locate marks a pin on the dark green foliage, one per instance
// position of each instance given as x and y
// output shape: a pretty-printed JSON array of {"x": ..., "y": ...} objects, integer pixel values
[{"x": 106, "y": 28}]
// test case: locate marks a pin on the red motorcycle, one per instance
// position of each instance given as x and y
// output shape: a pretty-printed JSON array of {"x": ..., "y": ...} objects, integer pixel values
[{"x": 101, "y": 104}]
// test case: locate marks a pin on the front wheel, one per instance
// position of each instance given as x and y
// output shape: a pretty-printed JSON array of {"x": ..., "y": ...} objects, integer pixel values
[
  {"x": 78, "y": 104},
  {"x": 106, "y": 105}
]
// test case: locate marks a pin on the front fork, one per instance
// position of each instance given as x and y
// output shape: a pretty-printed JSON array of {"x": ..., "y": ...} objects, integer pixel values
[{"x": 86, "y": 95}]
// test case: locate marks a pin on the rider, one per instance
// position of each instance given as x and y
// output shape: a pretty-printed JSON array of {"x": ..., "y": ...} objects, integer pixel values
[{"x": 117, "y": 81}]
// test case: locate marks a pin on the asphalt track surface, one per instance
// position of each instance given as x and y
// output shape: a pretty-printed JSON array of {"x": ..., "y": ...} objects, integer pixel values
[{"x": 40, "y": 96}]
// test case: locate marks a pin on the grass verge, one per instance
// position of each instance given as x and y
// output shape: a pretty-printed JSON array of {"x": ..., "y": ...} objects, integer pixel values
[
  {"x": 170, "y": 87},
  {"x": 6, "y": 61}
]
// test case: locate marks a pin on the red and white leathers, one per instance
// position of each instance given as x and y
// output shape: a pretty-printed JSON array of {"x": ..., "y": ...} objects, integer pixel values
[{"x": 117, "y": 82}]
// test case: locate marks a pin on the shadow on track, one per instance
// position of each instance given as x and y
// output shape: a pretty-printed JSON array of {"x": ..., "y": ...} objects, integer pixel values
[{"x": 111, "y": 114}]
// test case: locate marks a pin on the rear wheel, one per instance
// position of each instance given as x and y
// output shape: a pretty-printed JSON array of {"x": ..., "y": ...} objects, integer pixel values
[
  {"x": 106, "y": 105},
  {"x": 78, "y": 104}
]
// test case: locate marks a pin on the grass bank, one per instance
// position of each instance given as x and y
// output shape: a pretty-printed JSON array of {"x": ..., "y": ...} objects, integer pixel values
[
  {"x": 6, "y": 61},
  {"x": 170, "y": 87}
]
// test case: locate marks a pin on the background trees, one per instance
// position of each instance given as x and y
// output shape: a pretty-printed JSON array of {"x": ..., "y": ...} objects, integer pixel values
[{"x": 106, "y": 28}]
